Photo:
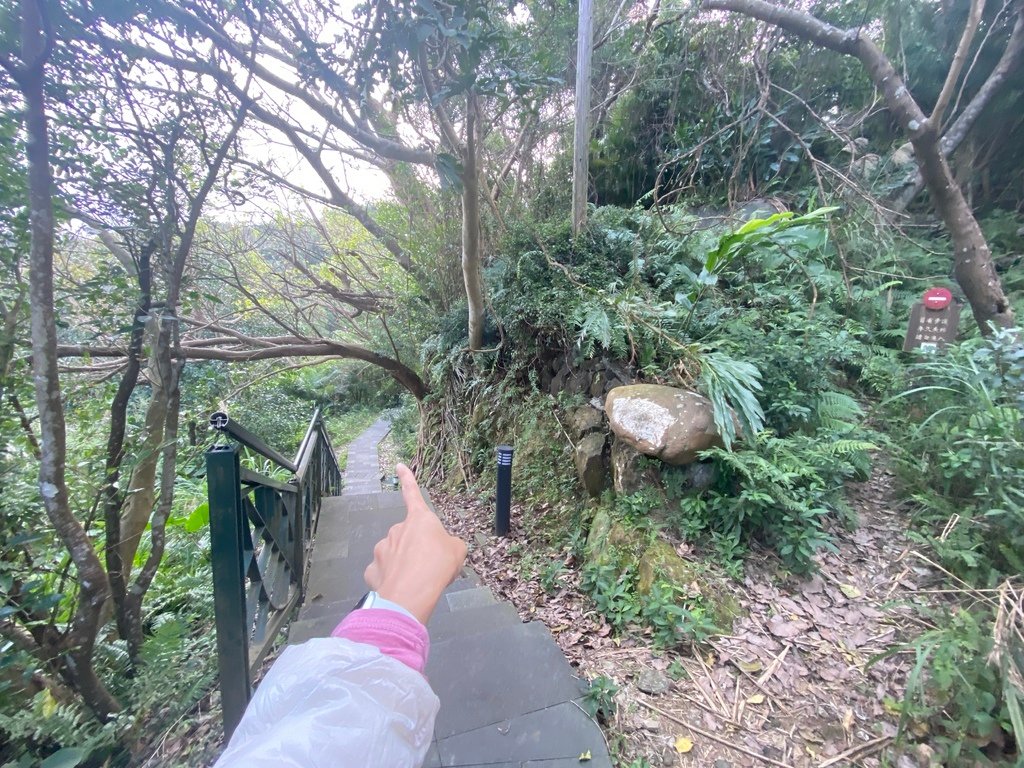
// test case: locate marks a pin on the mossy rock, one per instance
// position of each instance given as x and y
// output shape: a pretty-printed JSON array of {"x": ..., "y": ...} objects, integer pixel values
[
  {"x": 661, "y": 563},
  {"x": 611, "y": 542},
  {"x": 600, "y": 527}
]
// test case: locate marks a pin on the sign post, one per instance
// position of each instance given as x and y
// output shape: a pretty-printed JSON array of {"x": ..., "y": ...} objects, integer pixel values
[{"x": 933, "y": 322}]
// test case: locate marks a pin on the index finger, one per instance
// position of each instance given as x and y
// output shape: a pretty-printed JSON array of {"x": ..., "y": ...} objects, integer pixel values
[{"x": 411, "y": 493}]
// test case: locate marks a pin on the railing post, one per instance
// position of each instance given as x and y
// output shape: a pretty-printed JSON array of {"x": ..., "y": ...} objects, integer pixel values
[
  {"x": 225, "y": 500},
  {"x": 299, "y": 538}
]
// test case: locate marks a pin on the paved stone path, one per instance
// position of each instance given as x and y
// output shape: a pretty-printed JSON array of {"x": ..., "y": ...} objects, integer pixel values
[
  {"x": 509, "y": 698},
  {"x": 362, "y": 467}
]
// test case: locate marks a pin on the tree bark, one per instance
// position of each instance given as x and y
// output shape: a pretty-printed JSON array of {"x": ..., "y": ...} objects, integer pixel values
[
  {"x": 959, "y": 59},
  {"x": 954, "y": 136},
  {"x": 158, "y": 525},
  {"x": 94, "y": 588},
  {"x": 162, "y": 373},
  {"x": 142, "y": 485},
  {"x": 581, "y": 137},
  {"x": 972, "y": 260},
  {"x": 113, "y": 497},
  {"x": 471, "y": 271}
]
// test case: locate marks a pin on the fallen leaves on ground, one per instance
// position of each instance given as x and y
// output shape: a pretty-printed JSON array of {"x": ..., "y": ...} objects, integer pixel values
[{"x": 790, "y": 686}]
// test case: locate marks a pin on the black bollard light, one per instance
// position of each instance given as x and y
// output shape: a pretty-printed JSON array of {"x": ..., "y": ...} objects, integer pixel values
[{"x": 503, "y": 506}]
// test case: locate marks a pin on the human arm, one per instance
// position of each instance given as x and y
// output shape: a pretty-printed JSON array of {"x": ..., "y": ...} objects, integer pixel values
[{"x": 359, "y": 697}]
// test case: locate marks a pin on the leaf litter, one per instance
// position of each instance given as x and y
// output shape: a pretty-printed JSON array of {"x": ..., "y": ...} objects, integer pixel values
[{"x": 790, "y": 686}]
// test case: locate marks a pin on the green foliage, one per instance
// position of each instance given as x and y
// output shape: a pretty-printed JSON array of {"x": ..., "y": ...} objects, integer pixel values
[
  {"x": 599, "y": 700},
  {"x": 960, "y": 437},
  {"x": 955, "y": 690},
  {"x": 732, "y": 384},
  {"x": 45, "y": 722},
  {"x": 962, "y": 458},
  {"x": 542, "y": 462},
  {"x": 778, "y": 492},
  {"x": 672, "y": 615},
  {"x": 614, "y": 593},
  {"x": 177, "y": 668},
  {"x": 405, "y": 428},
  {"x": 552, "y": 574},
  {"x": 669, "y": 614}
]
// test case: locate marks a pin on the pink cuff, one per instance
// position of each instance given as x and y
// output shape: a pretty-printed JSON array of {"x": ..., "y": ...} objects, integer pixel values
[{"x": 395, "y": 634}]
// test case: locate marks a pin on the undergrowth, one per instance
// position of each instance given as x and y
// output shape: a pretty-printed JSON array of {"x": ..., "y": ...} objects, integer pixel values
[
  {"x": 961, "y": 464},
  {"x": 795, "y": 328}
]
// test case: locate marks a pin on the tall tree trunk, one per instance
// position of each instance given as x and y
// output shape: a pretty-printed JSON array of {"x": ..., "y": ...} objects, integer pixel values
[
  {"x": 142, "y": 485},
  {"x": 471, "y": 269},
  {"x": 132, "y": 613},
  {"x": 113, "y": 496},
  {"x": 581, "y": 137},
  {"x": 92, "y": 579},
  {"x": 972, "y": 259}
]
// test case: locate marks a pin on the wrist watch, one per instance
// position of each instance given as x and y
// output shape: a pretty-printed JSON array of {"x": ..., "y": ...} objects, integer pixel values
[
  {"x": 373, "y": 600},
  {"x": 367, "y": 600}
]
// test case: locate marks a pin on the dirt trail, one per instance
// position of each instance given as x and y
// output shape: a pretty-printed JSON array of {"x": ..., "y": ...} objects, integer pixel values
[{"x": 791, "y": 686}]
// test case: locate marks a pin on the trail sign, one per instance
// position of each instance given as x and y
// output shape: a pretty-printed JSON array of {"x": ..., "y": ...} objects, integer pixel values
[
  {"x": 937, "y": 298},
  {"x": 933, "y": 321}
]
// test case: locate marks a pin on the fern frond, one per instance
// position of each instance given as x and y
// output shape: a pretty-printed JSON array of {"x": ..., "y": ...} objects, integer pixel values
[
  {"x": 849, "y": 447},
  {"x": 837, "y": 410}
]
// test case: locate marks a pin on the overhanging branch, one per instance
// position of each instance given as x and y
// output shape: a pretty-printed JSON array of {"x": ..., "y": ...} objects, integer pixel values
[{"x": 268, "y": 348}]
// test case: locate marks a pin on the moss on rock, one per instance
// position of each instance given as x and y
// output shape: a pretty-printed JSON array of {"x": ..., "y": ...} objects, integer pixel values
[
  {"x": 612, "y": 542},
  {"x": 661, "y": 563}
]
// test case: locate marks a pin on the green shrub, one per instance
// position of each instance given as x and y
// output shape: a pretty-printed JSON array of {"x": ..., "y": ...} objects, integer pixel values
[
  {"x": 954, "y": 691},
  {"x": 960, "y": 434},
  {"x": 963, "y": 456},
  {"x": 777, "y": 492},
  {"x": 613, "y": 592},
  {"x": 599, "y": 700}
]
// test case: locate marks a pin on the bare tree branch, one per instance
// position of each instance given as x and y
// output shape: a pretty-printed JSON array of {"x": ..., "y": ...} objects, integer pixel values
[
  {"x": 959, "y": 59},
  {"x": 272, "y": 347}
]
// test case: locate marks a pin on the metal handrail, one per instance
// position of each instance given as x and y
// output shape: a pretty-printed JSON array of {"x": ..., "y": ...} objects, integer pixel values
[
  {"x": 261, "y": 531},
  {"x": 221, "y": 422}
]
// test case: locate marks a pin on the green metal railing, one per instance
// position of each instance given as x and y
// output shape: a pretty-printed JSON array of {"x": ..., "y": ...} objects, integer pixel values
[{"x": 261, "y": 531}]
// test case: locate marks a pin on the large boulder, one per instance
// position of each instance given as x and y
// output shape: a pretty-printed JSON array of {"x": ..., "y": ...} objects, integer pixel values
[{"x": 668, "y": 423}]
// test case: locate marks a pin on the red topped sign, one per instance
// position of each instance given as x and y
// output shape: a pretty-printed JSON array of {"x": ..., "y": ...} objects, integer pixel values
[{"x": 937, "y": 298}]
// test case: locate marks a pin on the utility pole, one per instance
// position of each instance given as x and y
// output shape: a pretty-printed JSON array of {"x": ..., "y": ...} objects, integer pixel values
[{"x": 581, "y": 141}]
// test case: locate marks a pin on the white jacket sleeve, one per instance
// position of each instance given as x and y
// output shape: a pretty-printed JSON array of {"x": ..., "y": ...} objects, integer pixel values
[{"x": 334, "y": 703}]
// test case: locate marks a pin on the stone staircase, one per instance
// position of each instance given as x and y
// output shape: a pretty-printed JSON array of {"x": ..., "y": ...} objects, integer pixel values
[{"x": 509, "y": 698}]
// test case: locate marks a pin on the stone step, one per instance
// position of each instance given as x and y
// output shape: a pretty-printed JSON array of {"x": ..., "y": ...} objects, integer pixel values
[
  {"x": 467, "y": 599},
  {"x": 449, "y": 625},
  {"x": 306, "y": 629},
  {"x": 508, "y": 695},
  {"x": 555, "y": 736},
  {"x": 496, "y": 675},
  {"x": 343, "y": 547}
]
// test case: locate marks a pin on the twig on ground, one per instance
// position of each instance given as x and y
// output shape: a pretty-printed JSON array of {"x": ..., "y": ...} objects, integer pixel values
[
  {"x": 714, "y": 685},
  {"x": 773, "y": 667},
  {"x": 711, "y": 711},
  {"x": 858, "y": 751},
  {"x": 714, "y": 737}
]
